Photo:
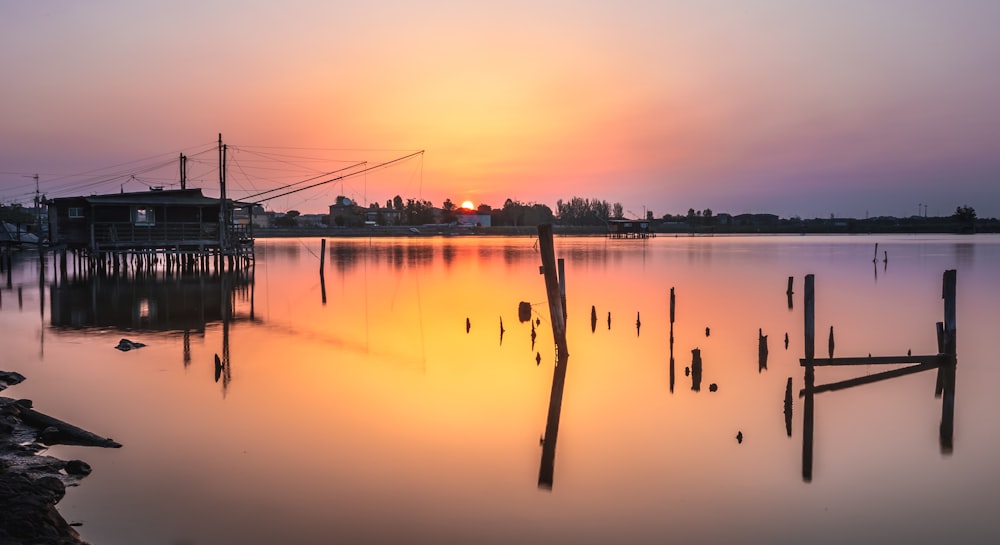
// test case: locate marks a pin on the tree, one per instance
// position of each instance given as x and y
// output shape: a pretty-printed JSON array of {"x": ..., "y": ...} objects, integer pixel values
[
  {"x": 966, "y": 218},
  {"x": 618, "y": 211},
  {"x": 397, "y": 203},
  {"x": 15, "y": 214},
  {"x": 448, "y": 214},
  {"x": 290, "y": 219},
  {"x": 965, "y": 214}
]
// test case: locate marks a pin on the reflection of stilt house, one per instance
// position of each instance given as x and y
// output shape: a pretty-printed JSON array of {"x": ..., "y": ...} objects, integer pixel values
[
  {"x": 182, "y": 225},
  {"x": 621, "y": 228}
]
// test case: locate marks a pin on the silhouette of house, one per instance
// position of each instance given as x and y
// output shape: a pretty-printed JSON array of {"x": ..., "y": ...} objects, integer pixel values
[
  {"x": 152, "y": 220},
  {"x": 622, "y": 228}
]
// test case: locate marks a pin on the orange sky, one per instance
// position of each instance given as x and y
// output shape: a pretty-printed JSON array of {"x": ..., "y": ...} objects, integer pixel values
[{"x": 764, "y": 106}]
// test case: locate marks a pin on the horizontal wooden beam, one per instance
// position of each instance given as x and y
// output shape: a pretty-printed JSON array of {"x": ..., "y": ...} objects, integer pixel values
[
  {"x": 935, "y": 359},
  {"x": 884, "y": 375}
]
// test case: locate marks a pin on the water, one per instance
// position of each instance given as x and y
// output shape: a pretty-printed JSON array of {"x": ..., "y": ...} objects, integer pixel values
[{"x": 376, "y": 417}]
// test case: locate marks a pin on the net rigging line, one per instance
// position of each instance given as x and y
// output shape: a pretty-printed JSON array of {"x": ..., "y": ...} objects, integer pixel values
[
  {"x": 282, "y": 188},
  {"x": 343, "y": 176}
]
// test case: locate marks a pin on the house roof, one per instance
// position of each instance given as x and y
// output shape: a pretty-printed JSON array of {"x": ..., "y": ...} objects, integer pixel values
[{"x": 186, "y": 197}]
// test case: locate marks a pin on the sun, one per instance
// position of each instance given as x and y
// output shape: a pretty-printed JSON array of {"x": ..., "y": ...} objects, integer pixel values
[{"x": 468, "y": 205}]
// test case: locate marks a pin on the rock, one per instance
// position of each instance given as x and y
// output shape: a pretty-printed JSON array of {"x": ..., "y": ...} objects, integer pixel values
[
  {"x": 10, "y": 378},
  {"x": 739, "y": 437},
  {"x": 125, "y": 345},
  {"x": 713, "y": 387},
  {"x": 78, "y": 467},
  {"x": 49, "y": 435}
]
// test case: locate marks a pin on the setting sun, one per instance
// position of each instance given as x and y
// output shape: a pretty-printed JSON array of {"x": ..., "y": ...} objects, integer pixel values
[{"x": 468, "y": 205}]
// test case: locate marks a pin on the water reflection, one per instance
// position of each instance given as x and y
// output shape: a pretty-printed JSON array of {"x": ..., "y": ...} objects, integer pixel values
[
  {"x": 148, "y": 303},
  {"x": 157, "y": 303},
  {"x": 547, "y": 469},
  {"x": 944, "y": 362}
]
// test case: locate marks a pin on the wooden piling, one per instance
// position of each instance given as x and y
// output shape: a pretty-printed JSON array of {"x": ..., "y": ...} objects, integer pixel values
[
  {"x": 322, "y": 255},
  {"x": 671, "y": 307},
  {"x": 562, "y": 285},
  {"x": 556, "y": 313},
  {"x": 808, "y": 408},
  {"x": 831, "y": 342},
  {"x": 948, "y": 292},
  {"x": 789, "y": 291},
  {"x": 810, "y": 318}
]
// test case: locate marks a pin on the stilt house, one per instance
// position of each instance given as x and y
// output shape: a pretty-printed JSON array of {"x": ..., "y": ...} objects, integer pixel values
[{"x": 150, "y": 221}]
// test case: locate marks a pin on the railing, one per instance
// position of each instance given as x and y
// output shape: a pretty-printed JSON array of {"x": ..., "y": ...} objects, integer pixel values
[{"x": 126, "y": 232}]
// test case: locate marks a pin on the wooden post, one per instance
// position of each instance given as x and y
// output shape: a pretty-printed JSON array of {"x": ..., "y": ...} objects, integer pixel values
[
  {"x": 671, "y": 309},
  {"x": 810, "y": 318},
  {"x": 810, "y": 378},
  {"x": 322, "y": 255},
  {"x": 562, "y": 286},
  {"x": 556, "y": 314},
  {"x": 948, "y": 294}
]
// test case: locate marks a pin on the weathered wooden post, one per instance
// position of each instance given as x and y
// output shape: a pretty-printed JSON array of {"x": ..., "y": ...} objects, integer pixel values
[
  {"x": 562, "y": 286},
  {"x": 946, "y": 373},
  {"x": 810, "y": 378},
  {"x": 322, "y": 255},
  {"x": 671, "y": 309},
  {"x": 810, "y": 318},
  {"x": 696, "y": 369},
  {"x": 948, "y": 294},
  {"x": 556, "y": 314}
]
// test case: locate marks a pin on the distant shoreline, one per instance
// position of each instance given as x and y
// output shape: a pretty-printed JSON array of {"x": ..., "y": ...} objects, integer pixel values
[{"x": 528, "y": 231}]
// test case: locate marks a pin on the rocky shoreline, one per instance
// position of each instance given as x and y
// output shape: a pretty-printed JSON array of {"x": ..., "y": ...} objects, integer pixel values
[{"x": 31, "y": 484}]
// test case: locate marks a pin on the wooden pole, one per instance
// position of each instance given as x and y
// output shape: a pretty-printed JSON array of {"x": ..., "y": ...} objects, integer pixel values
[
  {"x": 562, "y": 285},
  {"x": 671, "y": 309},
  {"x": 556, "y": 313},
  {"x": 948, "y": 294},
  {"x": 808, "y": 414},
  {"x": 810, "y": 318},
  {"x": 322, "y": 255}
]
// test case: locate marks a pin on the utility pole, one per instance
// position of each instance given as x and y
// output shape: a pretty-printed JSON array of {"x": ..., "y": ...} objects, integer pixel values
[
  {"x": 223, "y": 225},
  {"x": 38, "y": 207},
  {"x": 183, "y": 172}
]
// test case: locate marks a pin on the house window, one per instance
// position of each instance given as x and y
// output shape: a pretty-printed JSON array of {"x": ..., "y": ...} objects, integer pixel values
[
  {"x": 144, "y": 216},
  {"x": 75, "y": 212}
]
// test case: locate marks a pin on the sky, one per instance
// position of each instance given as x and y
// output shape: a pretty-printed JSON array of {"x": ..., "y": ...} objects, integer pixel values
[{"x": 852, "y": 108}]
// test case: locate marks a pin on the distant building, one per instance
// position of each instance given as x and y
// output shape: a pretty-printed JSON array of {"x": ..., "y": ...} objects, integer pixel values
[
  {"x": 474, "y": 219},
  {"x": 622, "y": 228},
  {"x": 344, "y": 213}
]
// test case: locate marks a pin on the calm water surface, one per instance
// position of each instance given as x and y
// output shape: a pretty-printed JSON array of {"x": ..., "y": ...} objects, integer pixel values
[{"x": 361, "y": 409}]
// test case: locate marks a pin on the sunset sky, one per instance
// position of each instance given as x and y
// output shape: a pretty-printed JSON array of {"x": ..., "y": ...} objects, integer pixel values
[{"x": 851, "y": 108}]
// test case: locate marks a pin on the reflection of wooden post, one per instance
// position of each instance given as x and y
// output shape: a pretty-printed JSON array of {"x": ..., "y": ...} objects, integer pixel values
[
  {"x": 810, "y": 378},
  {"x": 556, "y": 314},
  {"x": 547, "y": 469}
]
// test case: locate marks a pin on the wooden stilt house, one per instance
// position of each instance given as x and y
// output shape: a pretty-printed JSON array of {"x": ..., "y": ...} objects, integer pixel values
[{"x": 156, "y": 221}]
